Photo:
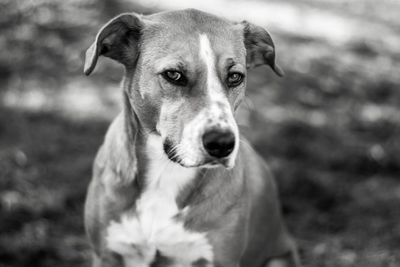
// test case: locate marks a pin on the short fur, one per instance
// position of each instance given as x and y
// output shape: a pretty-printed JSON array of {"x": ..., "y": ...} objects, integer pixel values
[{"x": 231, "y": 217}]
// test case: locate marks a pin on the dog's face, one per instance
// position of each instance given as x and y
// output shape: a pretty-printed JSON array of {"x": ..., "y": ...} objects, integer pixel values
[
  {"x": 188, "y": 75},
  {"x": 193, "y": 75}
]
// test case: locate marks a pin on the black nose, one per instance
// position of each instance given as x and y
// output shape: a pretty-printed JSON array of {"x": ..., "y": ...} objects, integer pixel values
[{"x": 219, "y": 143}]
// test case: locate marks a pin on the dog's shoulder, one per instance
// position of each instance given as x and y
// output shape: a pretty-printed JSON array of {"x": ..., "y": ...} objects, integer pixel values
[
  {"x": 259, "y": 177},
  {"x": 110, "y": 190},
  {"x": 116, "y": 159}
]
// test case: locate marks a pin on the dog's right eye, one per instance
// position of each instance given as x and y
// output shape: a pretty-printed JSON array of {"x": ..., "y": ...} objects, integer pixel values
[{"x": 175, "y": 77}]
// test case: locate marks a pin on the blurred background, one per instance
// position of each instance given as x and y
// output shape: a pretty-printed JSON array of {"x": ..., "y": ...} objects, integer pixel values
[{"x": 329, "y": 128}]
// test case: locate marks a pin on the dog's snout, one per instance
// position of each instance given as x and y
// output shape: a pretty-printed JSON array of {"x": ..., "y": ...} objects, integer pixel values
[{"x": 219, "y": 143}]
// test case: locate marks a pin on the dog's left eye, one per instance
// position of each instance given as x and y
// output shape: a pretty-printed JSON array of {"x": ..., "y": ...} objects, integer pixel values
[
  {"x": 234, "y": 79},
  {"x": 174, "y": 77}
]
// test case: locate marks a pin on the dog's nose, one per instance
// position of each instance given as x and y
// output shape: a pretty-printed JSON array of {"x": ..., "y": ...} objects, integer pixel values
[{"x": 219, "y": 143}]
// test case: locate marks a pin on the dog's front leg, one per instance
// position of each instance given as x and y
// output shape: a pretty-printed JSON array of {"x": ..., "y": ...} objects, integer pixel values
[
  {"x": 291, "y": 259},
  {"x": 228, "y": 248}
]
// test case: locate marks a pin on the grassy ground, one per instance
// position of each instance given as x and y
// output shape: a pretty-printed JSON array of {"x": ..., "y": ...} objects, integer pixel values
[{"x": 329, "y": 129}]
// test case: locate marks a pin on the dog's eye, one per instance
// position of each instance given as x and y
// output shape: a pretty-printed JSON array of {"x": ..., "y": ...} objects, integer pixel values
[
  {"x": 174, "y": 77},
  {"x": 234, "y": 79}
]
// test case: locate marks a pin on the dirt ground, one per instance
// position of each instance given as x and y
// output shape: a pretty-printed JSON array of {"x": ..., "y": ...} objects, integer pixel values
[{"x": 329, "y": 129}]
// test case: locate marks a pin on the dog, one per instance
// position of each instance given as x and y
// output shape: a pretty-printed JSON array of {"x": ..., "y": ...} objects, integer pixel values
[{"x": 173, "y": 183}]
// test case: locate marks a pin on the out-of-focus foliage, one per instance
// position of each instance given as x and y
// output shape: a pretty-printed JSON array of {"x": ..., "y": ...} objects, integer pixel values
[
  {"x": 329, "y": 129},
  {"x": 44, "y": 39}
]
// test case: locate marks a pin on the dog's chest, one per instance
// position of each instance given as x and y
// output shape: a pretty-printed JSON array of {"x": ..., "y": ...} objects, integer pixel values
[{"x": 154, "y": 227}]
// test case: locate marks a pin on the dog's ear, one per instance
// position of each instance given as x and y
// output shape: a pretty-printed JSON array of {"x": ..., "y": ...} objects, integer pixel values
[
  {"x": 260, "y": 48},
  {"x": 118, "y": 39}
]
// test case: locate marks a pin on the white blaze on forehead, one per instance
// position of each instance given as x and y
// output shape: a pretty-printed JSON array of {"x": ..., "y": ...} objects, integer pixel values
[
  {"x": 208, "y": 56},
  {"x": 206, "y": 52}
]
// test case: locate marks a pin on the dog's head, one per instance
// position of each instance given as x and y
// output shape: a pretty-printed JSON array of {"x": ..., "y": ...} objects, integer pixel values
[{"x": 185, "y": 76}]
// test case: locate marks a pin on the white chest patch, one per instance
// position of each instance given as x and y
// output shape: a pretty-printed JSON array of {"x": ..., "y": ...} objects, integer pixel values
[{"x": 153, "y": 226}]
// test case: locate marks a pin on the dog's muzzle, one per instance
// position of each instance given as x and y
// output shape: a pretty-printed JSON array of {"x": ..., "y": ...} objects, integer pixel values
[{"x": 216, "y": 147}]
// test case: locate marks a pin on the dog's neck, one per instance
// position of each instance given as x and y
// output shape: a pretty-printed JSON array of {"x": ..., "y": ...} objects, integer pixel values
[{"x": 162, "y": 174}]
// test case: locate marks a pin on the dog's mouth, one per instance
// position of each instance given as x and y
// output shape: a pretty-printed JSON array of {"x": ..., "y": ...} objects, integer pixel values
[
  {"x": 171, "y": 152},
  {"x": 209, "y": 162}
]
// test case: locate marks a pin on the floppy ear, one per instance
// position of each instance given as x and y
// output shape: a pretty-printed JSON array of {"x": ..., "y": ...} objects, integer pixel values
[
  {"x": 259, "y": 47},
  {"x": 118, "y": 39}
]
